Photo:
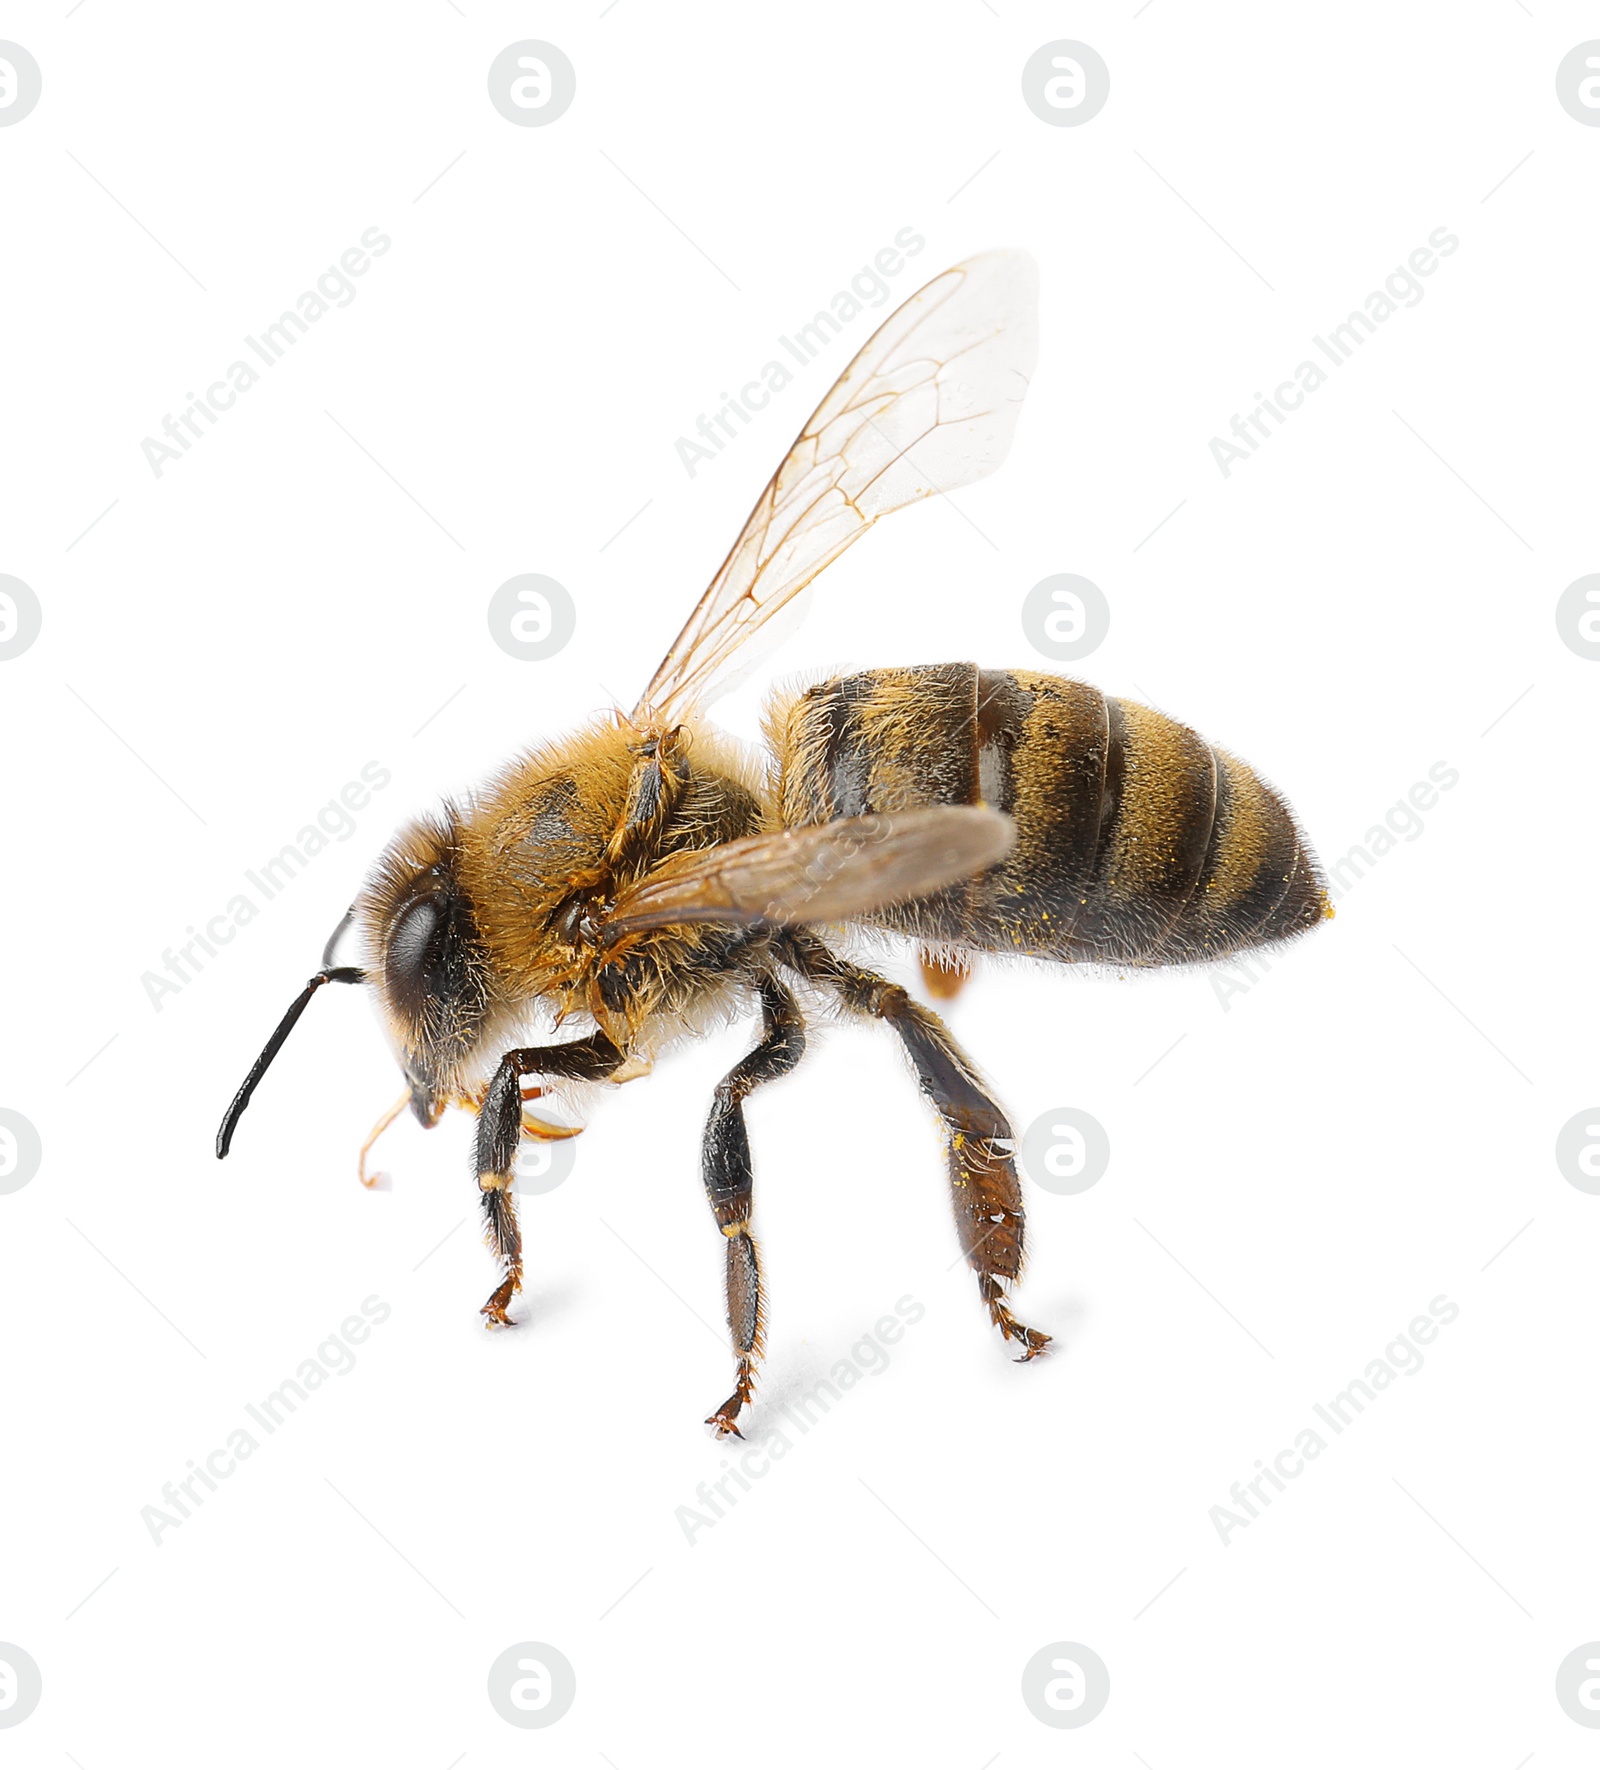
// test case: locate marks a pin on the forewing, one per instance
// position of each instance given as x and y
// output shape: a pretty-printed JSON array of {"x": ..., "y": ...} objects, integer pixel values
[
  {"x": 929, "y": 404},
  {"x": 822, "y": 873}
]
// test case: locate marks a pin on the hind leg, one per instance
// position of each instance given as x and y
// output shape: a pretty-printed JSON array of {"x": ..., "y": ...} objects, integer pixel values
[
  {"x": 984, "y": 1188},
  {"x": 726, "y": 1170},
  {"x": 944, "y": 975}
]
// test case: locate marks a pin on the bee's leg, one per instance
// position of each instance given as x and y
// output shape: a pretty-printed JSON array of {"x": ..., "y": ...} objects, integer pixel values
[
  {"x": 500, "y": 1129},
  {"x": 725, "y": 1168},
  {"x": 978, "y": 1138},
  {"x": 504, "y": 1236},
  {"x": 944, "y": 975}
]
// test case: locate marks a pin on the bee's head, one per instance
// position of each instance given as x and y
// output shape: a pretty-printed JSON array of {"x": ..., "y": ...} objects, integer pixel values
[{"x": 425, "y": 958}]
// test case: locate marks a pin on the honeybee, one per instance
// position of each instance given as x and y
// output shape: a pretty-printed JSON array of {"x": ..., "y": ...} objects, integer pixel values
[{"x": 626, "y": 882}]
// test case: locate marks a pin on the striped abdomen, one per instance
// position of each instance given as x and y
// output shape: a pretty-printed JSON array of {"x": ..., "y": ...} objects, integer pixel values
[{"x": 1137, "y": 841}]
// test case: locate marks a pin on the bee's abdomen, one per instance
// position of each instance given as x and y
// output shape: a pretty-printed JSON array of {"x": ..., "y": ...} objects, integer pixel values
[{"x": 1137, "y": 841}]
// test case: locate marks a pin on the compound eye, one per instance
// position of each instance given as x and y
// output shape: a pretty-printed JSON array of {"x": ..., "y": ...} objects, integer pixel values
[{"x": 416, "y": 948}]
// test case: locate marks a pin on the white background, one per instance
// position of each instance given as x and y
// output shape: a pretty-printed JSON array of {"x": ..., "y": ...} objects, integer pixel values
[{"x": 1294, "y": 1174}]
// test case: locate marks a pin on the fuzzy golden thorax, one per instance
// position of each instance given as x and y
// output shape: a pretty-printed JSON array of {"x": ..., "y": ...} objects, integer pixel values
[{"x": 547, "y": 847}]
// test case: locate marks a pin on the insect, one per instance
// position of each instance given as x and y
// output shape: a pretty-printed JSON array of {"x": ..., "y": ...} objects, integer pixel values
[{"x": 625, "y": 882}]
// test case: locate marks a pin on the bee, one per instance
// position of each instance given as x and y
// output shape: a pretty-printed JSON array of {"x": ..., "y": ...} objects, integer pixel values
[{"x": 628, "y": 882}]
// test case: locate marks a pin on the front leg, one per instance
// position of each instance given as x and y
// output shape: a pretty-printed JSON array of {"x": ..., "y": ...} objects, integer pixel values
[{"x": 495, "y": 1151}]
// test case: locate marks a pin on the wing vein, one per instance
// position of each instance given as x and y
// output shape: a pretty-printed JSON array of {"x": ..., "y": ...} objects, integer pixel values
[{"x": 950, "y": 368}]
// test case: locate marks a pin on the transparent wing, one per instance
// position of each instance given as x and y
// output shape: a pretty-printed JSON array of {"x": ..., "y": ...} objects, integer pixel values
[
  {"x": 929, "y": 404},
  {"x": 822, "y": 873}
]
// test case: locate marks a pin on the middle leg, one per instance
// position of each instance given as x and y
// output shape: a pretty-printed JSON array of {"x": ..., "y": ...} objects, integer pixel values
[{"x": 725, "y": 1168}]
